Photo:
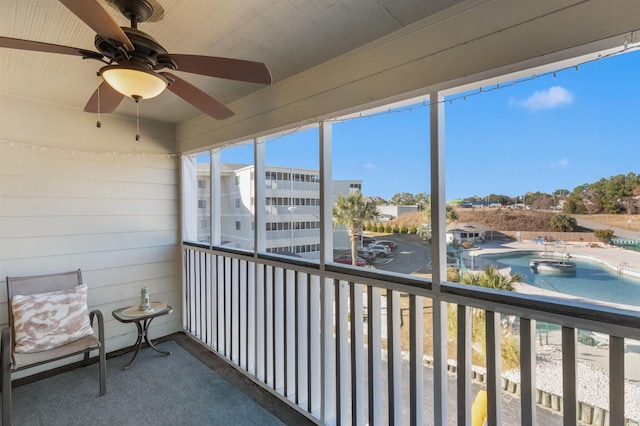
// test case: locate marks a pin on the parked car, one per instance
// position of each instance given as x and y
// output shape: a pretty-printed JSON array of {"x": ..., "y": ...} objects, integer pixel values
[
  {"x": 366, "y": 241},
  {"x": 346, "y": 259},
  {"x": 379, "y": 249},
  {"x": 388, "y": 243},
  {"x": 367, "y": 255}
]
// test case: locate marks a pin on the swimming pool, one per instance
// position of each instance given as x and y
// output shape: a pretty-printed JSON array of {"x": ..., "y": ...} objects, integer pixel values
[{"x": 590, "y": 280}]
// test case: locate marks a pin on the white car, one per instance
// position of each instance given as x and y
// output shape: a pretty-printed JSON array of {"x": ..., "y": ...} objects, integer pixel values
[{"x": 379, "y": 249}]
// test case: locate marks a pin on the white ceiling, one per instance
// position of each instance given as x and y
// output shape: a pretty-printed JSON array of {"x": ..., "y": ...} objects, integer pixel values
[{"x": 289, "y": 36}]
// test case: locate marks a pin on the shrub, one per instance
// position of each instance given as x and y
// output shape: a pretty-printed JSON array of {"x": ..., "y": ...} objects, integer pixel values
[
  {"x": 453, "y": 275},
  {"x": 413, "y": 230},
  {"x": 604, "y": 235},
  {"x": 395, "y": 229},
  {"x": 404, "y": 229},
  {"x": 387, "y": 229},
  {"x": 380, "y": 228},
  {"x": 563, "y": 223}
]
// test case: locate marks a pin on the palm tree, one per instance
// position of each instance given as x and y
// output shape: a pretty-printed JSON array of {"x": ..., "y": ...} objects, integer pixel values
[
  {"x": 491, "y": 278},
  {"x": 352, "y": 211}
]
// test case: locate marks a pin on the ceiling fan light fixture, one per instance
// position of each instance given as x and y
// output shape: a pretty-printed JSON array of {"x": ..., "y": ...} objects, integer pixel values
[{"x": 134, "y": 81}]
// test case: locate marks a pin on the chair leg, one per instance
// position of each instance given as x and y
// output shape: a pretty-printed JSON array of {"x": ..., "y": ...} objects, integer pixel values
[
  {"x": 5, "y": 350},
  {"x": 102, "y": 362},
  {"x": 103, "y": 370}
]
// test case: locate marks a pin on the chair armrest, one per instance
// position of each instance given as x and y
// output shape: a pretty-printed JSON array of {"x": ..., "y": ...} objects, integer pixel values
[{"x": 98, "y": 314}]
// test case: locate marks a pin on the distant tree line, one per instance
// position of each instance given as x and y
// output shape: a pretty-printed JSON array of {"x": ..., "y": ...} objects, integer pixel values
[{"x": 617, "y": 194}]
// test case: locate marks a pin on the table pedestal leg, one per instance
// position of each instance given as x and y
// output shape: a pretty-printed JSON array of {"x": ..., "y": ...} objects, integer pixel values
[{"x": 143, "y": 330}]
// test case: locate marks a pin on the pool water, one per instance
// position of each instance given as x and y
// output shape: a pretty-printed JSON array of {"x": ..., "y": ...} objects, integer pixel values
[{"x": 591, "y": 280}]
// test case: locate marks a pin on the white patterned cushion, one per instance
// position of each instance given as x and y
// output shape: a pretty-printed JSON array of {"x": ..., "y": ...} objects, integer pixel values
[{"x": 47, "y": 320}]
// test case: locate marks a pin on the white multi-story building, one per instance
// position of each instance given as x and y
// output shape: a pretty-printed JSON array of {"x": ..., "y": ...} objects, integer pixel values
[{"x": 292, "y": 203}]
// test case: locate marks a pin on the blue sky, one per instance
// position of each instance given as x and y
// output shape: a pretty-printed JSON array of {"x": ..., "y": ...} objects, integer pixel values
[{"x": 543, "y": 134}]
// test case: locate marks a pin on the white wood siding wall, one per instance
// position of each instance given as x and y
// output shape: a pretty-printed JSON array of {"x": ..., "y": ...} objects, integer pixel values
[{"x": 115, "y": 217}]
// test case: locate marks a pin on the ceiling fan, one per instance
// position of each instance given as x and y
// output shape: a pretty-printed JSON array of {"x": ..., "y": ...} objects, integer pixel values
[{"x": 134, "y": 60}]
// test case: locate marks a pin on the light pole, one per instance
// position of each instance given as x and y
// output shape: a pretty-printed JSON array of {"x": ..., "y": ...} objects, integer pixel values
[{"x": 291, "y": 209}]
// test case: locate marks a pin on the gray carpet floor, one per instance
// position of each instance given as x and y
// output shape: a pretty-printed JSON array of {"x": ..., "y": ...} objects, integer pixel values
[{"x": 157, "y": 390}]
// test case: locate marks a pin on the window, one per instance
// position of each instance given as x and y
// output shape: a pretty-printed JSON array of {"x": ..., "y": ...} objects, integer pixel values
[
  {"x": 237, "y": 180},
  {"x": 237, "y": 203},
  {"x": 202, "y": 184},
  {"x": 238, "y": 226},
  {"x": 202, "y": 204}
]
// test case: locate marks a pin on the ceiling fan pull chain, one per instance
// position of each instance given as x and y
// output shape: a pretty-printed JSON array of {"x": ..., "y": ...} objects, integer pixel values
[
  {"x": 98, "y": 123},
  {"x": 137, "y": 99}
]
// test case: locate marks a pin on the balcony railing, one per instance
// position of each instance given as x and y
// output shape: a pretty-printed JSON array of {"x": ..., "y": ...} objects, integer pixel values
[{"x": 333, "y": 340}]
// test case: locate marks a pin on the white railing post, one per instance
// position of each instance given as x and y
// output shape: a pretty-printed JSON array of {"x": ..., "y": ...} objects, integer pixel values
[
  {"x": 528, "y": 371},
  {"x": 394, "y": 357},
  {"x": 416, "y": 367},
  {"x": 328, "y": 414},
  {"x": 374, "y": 351},
  {"x": 494, "y": 369},
  {"x": 464, "y": 365},
  {"x": 616, "y": 380},
  {"x": 569, "y": 377},
  {"x": 357, "y": 353}
]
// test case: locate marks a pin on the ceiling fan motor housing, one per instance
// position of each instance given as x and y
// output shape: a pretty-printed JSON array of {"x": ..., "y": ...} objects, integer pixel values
[{"x": 146, "y": 48}]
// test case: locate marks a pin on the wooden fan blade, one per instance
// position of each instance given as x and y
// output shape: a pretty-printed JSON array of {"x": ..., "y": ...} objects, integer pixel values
[
  {"x": 198, "y": 98},
  {"x": 91, "y": 13},
  {"x": 231, "y": 69},
  {"x": 109, "y": 99},
  {"x": 16, "y": 43}
]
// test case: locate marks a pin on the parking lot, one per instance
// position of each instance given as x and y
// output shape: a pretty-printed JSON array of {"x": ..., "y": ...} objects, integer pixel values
[{"x": 409, "y": 257}]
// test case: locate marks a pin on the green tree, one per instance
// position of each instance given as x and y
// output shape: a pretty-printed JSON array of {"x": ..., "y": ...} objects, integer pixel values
[
  {"x": 403, "y": 199},
  {"x": 451, "y": 214},
  {"x": 563, "y": 223},
  {"x": 604, "y": 235},
  {"x": 352, "y": 211},
  {"x": 560, "y": 193}
]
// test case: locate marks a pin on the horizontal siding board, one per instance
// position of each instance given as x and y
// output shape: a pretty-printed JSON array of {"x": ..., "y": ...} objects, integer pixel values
[
  {"x": 86, "y": 206},
  {"x": 129, "y": 292},
  {"x": 18, "y": 160},
  {"x": 16, "y": 248},
  {"x": 54, "y": 187},
  {"x": 158, "y": 172},
  {"x": 47, "y": 226},
  {"x": 90, "y": 261}
]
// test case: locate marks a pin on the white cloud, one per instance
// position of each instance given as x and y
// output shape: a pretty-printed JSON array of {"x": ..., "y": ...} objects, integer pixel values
[
  {"x": 548, "y": 99},
  {"x": 368, "y": 165},
  {"x": 562, "y": 164}
]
